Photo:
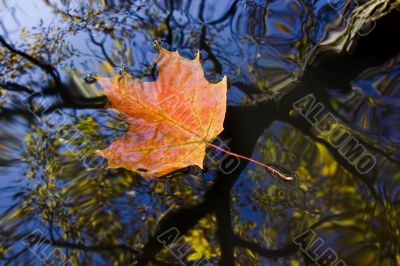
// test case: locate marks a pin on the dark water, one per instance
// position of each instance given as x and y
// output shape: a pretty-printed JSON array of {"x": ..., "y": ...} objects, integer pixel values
[{"x": 61, "y": 206}]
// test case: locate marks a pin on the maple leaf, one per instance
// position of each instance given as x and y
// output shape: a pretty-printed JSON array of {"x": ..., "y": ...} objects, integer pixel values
[{"x": 171, "y": 120}]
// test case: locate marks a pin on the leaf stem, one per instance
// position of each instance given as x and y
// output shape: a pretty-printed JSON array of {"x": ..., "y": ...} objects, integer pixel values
[{"x": 270, "y": 168}]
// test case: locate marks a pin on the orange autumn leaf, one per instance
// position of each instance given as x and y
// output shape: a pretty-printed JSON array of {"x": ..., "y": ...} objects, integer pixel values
[{"x": 171, "y": 120}]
